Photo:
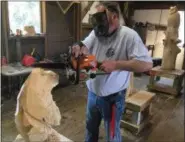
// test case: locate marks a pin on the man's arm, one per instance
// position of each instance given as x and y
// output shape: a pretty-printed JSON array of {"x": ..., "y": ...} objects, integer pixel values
[
  {"x": 84, "y": 46},
  {"x": 134, "y": 65},
  {"x": 138, "y": 58}
]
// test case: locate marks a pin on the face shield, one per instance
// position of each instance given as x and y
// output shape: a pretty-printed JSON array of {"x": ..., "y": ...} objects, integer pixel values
[{"x": 100, "y": 24}]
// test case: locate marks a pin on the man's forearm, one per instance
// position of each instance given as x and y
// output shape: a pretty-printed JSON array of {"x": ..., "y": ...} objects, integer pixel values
[{"x": 134, "y": 65}]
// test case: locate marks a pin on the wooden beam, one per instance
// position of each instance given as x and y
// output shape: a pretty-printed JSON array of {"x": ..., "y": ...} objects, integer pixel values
[
  {"x": 90, "y": 3},
  {"x": 6, "y": 28},
  {"x": 43, "y": 16},
  {"x": 159, "y": 4},
  {"x": 183, "y": 67},
  {"x": 127, "y": 11},
  {"x": 77, "y": 23}
]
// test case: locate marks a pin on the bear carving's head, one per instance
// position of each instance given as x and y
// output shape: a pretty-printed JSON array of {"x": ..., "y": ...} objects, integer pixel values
[
  {"x": 29, "y": 30},
  {"x": 173, "y": 9}
]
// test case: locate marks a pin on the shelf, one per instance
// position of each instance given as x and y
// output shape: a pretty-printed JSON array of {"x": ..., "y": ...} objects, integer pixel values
[{"x": 27, "y": 37}]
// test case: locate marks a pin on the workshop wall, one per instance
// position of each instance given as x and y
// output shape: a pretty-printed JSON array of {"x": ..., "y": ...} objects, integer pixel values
[
  {"x": 2, "y": 39},
  {"x": 9, "y": 42},
  {"x": 62, "y": 29},
  {"x": 86, "y": 26},
  {"x": 91, "y": 11},
  {"x": 159, "y": 16}
]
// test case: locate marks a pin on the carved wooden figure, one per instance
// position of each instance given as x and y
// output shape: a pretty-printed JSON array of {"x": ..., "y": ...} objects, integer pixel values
[
  {"x": 171, "y": 40},
  {"x": 36, "y": 111}
]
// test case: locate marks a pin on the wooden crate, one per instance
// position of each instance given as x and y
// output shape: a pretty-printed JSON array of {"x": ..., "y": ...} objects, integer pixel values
[
  {"x": 135, "y": 129},
  {"x": 136, "y": 117},
  {"x": 139, "y": 101},
  {"x": 156, "y": 73},
  {"x": 137, "y": 114}
]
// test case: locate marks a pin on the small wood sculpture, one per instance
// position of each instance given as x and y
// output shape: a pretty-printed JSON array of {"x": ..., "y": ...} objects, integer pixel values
[
  {"x": 36, "y": 111},
  {"x": 170, "y": 42},
  {"x": 30, "y": 31}
]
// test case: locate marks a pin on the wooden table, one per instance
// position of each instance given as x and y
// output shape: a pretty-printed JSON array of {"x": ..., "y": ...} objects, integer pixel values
[
  {"x": 176, "y": 75},
  {"x": 14, "y": 70}
]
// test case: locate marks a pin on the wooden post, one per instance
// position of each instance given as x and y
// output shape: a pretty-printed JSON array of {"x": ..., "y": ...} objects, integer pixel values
[{"x": 5, "y": 24}]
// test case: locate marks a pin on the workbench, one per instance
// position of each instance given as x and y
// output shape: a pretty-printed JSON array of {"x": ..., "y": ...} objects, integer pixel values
[
  {"x": 176, "y": 76},
  {"x": 14, "y": 70}
]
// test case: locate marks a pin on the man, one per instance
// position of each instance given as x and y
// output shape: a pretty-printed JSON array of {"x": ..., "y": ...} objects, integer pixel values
[{"x": 120, "y": 50}]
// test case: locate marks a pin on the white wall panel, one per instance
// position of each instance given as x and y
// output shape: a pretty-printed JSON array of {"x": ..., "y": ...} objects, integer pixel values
[{"x": 153, "y": 16}]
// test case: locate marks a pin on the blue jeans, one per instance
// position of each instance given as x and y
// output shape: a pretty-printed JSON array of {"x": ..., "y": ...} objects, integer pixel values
[{"x": 99, "y": 108}]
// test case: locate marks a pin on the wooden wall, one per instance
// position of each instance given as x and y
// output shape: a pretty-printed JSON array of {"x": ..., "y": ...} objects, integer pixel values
[
  {"x": 155, "y": 37},
  {"x": 27, "y": 46},
  {"x": 86, "y": 29},
  {"x": 61, "y": 31}
]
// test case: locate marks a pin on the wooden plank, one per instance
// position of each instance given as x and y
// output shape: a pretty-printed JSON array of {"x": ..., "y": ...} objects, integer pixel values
[
  {"x": 90, "y": 3},
  {"x": 136, "y": 117},
  {"x": 159, "y": 74},
  {"x": 140, "y": 100},
  {"x": 163, "y": 88},
  {"x": 178, "y": 83},
  {"x": 157, "y": 5},
  {"x": 134, "y": 128},
  {"x": 157, "y": 71}
]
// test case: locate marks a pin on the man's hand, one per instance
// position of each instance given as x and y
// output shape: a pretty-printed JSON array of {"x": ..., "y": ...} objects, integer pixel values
[
  {"x": 109, "y": 66},
  {"x": 77, "y": 50}
]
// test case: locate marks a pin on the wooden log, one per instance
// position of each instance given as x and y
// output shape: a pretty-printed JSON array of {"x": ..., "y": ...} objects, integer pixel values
[{"x": 36, "y": 108}]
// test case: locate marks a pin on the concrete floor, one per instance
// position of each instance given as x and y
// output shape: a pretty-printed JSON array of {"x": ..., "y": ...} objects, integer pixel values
[{"x": 167, "y": 123}]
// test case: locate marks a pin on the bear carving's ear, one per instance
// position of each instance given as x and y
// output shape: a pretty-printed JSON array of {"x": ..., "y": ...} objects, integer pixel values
[{"x": 173, "y": 9}]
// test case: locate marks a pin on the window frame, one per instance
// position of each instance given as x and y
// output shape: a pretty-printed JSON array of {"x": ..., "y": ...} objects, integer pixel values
[{"x": 41, "y": 18}]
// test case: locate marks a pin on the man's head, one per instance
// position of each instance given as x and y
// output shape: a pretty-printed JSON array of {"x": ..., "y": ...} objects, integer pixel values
[{"x": 107, "y": 18}]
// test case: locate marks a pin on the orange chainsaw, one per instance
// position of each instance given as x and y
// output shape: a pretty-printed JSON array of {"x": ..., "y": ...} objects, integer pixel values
[{"x": 76, "y": 69}]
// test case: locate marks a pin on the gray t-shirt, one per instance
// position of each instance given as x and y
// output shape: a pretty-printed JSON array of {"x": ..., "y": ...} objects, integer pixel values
[{"x": 124, "y": 44}]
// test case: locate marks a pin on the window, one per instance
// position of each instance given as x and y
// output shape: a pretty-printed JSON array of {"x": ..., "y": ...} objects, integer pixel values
[{"x": 24, "y": 14}]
